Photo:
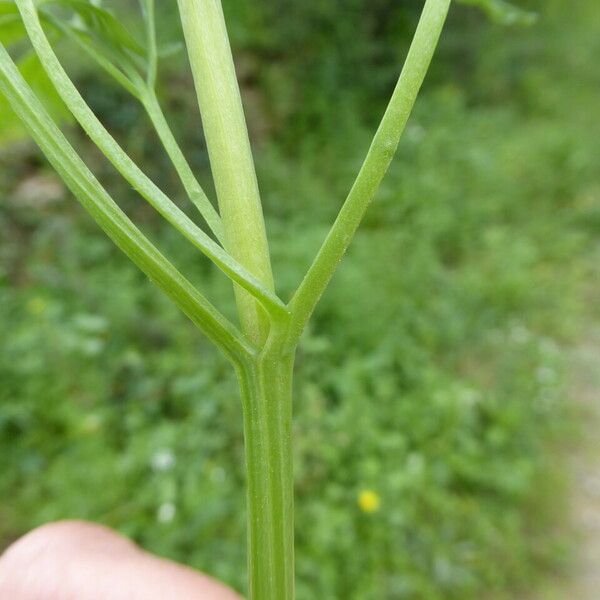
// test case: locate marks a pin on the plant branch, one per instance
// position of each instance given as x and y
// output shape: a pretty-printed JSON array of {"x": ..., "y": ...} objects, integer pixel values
[
  {"x": 188, "y": 179},
  {"x": 376, "y": 163},
  {"x": 143, "y": 90},
  {"x": 157, "y": 117},
  {"x": 79, "y": 38},
  {"x": 113, "y": 221},
  {"x": 131, "y": 172},
  {"x": 229, "y": 150},
  {"x": 149, "y": 18}
]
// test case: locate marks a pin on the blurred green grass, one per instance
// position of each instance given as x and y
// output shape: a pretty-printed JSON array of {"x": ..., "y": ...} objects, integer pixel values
[{"x": 434, "y": 371}]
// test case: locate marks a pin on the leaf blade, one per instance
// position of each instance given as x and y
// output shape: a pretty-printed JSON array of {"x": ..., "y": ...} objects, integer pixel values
[{"x": 504, "y": 12}]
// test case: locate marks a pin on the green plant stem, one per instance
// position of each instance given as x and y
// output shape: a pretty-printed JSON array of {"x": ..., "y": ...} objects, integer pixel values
[
  {"x": 266, "y": 382},
  {"x": 147, "y": 95},
  {"x": 376, "y": 163},
  {"x": 81, "y": 38},
  {"x": 266, "y": 386},
  {"x": 113, "y": 221},
  {"x": 264, "y": 357},
  {"x": 144, "y": 92},
  {"x": 229, "y": 150},
  {"x": 188, "y": 179},
  {"x": 149, "y": 17},
  {"x": 131, "y": 172}
]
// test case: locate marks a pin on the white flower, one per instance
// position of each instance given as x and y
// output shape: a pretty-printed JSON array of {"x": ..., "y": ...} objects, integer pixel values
[
  {"x": 163, "y": 460},
  {"x": 166, "y": 512}
]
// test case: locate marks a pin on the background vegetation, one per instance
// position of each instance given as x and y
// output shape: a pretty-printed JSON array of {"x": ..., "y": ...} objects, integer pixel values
[{"x": 433, "y": 376}]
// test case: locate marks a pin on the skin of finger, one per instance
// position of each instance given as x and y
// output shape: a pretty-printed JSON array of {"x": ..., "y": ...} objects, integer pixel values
[{"x": 74, "y": 560}]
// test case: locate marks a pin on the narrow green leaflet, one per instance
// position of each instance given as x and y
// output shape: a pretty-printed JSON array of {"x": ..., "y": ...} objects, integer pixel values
[
  {"x": 134, "y": 67},
  {"x": 103, "y": 34},
  {"x": 102, "y": 28},
  {"x": 12, "y": 33},
  {"x": 11, "y": 28},
  {"x": 504, "y": 12},
  {"x": 11, "y": 127},
  {"x": 95, "y": 29},
  {"x": 102, "y": 22},
  {"x": 100, "y": 34}
]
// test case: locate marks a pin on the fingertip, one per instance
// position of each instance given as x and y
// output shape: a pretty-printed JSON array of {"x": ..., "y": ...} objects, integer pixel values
[{"x": 86, "y": 561}]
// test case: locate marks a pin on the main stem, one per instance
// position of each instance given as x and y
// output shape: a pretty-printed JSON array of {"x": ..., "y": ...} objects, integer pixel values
[
  {"x": 229, "y": 152},
  {"x": 266, "y": 386}
]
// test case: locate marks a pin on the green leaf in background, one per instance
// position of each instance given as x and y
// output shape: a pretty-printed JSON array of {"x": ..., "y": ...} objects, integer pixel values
[
  {"x": 95, "y": 29},
  {"x": 31, "y": 69},
  {"x": 8, "y": 7},
  {"x": 101, "y": 23},
  {"x": 101, "y": 35},
  {"x": 11, "y": 28},
  {"x": 12, "y": 34},
  {"x": 503, "y": 12}
]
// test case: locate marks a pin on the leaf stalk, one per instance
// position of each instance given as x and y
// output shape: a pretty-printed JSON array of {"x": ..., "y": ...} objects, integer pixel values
[{"x": 380, "y": 154}]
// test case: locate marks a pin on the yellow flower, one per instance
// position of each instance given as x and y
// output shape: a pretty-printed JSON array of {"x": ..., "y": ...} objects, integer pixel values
[
  {"x": 369, "y": 501},
  {"x": 36, "y": 306}
]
